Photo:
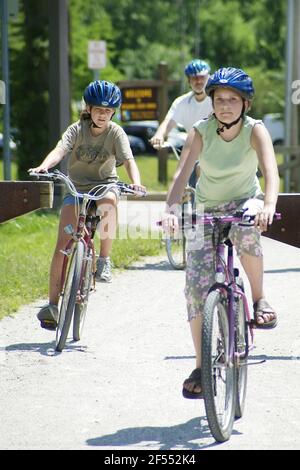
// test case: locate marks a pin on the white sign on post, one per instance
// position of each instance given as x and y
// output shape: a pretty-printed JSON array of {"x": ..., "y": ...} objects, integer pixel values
[
  {"x": 96, "y": 55},
  {"x": 2, "y": 92}
]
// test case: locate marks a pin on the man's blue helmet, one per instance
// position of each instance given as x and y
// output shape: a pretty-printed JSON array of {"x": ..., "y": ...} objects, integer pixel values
[
  {"x": 102, "y": 93},
  {"x": 197, "y": 67},
  {"x": 231, "y": 77}
]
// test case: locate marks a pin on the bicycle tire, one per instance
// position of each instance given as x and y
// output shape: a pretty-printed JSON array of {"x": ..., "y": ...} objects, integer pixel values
[
  {"x": 241, "y": 362},
  {"x": 218, "y": 373},
  {"x": 81, "y": 308},
  {"x": 70, "y": 291},
  {"x": 176, "y": 254}
]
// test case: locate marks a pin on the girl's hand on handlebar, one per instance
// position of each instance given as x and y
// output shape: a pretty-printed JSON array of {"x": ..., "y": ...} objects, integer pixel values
[
  {"x": 139, "y": 188},
  {"x": 39, "y": 169},
  {"x": 265, "y": 217}
]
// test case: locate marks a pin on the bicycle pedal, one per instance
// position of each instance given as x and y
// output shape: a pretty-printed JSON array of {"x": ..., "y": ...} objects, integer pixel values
[{"x": 48, "y": 325}]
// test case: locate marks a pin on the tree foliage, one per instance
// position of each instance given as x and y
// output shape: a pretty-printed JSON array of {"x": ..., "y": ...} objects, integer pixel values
[
  {"x": 139, "y": 34},
  {"x": 29, "y": 84}
]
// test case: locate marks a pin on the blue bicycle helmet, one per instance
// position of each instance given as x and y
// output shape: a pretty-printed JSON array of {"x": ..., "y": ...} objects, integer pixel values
[
  {"x": 231, "y": 77},
  {"x": 102, "y": 93},
  {"x": 197, "y": 67}
]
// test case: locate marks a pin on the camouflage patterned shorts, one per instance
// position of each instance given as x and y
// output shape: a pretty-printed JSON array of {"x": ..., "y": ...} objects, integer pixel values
[{"x": 200, "y": 262}]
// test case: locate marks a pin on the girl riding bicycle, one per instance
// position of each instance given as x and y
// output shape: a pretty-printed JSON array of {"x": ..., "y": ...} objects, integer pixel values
[
  {"x": 94, "y": 146},
  {"x": 229, "y": 146}
]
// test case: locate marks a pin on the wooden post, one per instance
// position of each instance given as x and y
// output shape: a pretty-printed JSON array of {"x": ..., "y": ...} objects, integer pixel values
[
  {"x": 286, "y": 230},
  {"x": 163, "y": 108}
]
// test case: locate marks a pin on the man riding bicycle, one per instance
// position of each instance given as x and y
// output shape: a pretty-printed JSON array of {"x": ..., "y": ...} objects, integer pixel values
[{"x": 187, "y": 108}]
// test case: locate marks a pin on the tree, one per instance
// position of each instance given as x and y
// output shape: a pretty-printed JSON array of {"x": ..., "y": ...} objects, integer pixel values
[
  {"x": 29, "y": 90},
  {"x": 239, "y": 33},
  {"x": 89, "y": 21}
]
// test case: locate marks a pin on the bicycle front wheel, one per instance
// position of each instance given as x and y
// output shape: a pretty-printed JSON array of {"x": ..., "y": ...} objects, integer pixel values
[
  {"x": 81, "y": 307},
  {"x": 70, "y": 291},
  {"x": 175, "y": 247},
  {"x": 241, "y": 359},
  {"x": 218, "y": 371}
]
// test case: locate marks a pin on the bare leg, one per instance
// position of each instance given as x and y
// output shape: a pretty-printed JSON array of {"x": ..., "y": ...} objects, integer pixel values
[
  {"x": 196, "y": 331},
  {"x": 67, "y": 217},
  {"x": 253, "y": 266},
  {"x": 108, "y": 223}
]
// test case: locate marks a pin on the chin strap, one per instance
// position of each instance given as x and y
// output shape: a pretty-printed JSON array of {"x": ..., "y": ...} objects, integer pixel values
[{"x": 224, "y": 124}]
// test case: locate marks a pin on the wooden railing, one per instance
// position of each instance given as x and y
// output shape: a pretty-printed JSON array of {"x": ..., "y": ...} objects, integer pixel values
[{"x": 20, "y": 197}]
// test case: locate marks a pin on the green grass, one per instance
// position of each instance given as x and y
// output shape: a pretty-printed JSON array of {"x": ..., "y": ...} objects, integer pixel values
[
  {"x": 14, "y": 170},
  {"x": 26, "y": 249},
  {"x": 25, "y": 252}
]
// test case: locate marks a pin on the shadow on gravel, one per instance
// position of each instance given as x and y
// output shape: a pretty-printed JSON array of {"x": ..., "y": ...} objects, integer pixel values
[
  {"x": 264, "y": 357},
  {"x": 45, "y": 349},
  {"x": 178, "y": 437},
  {"x": 283, "y": 270},
  {"x": 160, "y": 266}
]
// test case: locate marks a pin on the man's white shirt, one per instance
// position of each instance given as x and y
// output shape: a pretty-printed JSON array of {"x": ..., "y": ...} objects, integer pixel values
[{"x": 186, "y": 110}]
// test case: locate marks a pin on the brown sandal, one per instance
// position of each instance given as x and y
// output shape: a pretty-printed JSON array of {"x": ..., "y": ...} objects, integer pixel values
[{"x": 261, "y": 308}]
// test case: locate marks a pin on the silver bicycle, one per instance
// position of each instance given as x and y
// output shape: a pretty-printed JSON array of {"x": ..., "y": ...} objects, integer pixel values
[{"x": 176, "y": 243}]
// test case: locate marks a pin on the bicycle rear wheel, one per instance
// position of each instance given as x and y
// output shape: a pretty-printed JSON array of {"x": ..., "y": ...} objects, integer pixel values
[
  {"x": 70, "y": 291},
  {"x": 241, "y": 359},
  {"x": 81, "y": 307},
  {"x": 175, "y": 247},
  {"x": 218, "y": 371}
]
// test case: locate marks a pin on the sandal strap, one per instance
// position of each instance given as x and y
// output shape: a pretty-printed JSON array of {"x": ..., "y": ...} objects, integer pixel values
[
  {"x": 194, "y": 377},
  {"x": 262, "y": 307}
]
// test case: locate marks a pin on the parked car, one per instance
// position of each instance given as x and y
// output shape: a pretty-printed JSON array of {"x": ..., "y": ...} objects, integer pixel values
[
  {"x": 136, "y": 144},
  {"x": 146, "y": 129},
  {"x": 275, "y": 126}
]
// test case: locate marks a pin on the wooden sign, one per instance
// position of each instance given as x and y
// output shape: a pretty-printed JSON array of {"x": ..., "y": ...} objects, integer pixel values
[{"x": 139, "y": 103}]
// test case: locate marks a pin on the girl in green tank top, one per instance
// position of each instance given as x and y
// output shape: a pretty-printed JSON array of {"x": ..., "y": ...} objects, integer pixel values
[{"x": 229, "y": 146}]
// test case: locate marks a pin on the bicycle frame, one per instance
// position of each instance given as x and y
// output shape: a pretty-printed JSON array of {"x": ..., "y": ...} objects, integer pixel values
[
  {"x": 226, "y": 282},
  {"x": 225, "y": 276},
  {"x": 83, "y": 234}
]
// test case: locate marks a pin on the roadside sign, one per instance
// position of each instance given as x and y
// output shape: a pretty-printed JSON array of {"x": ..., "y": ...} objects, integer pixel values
[
  {"x": 2, "y": 92},
  {"x": 13, "y": 8},
  {"x": 96, "y": 55},
  {"x": 139, "y": 103}
]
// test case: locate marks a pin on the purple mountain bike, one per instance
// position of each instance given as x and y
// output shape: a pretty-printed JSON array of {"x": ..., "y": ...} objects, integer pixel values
[{"x": 227, "y": 333}]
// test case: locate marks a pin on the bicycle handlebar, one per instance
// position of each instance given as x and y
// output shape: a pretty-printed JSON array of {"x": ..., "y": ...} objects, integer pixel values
[
  {"x": 239, "y": 218},
  {"x": 104, "y": 188},
  {"x": 168, "y": 145}
]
